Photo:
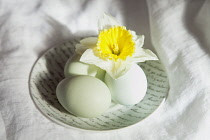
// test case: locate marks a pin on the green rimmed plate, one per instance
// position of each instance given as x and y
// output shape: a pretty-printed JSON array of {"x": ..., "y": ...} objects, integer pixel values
[{"x": 48, "y": 72}]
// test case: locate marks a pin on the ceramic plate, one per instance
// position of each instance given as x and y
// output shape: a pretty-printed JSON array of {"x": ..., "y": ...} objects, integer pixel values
[{"x": 48, "y": 72}]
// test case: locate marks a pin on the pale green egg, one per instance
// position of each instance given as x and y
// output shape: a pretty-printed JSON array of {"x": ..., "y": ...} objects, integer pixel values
[
  {"x": 84, "y": 96},
  {"x": 130, "y": 88},
  {"x": 75, "y": 67}
]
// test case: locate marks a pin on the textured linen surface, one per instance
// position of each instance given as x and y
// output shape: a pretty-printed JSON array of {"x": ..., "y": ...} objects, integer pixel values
[{"x": 178, "y": 30}]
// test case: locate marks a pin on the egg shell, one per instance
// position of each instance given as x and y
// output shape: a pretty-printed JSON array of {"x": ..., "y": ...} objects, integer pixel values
[
  {"x": 74, "y": 67},
  {"x": 84, "y": 96},
  {"x": 130, "y": 88}
]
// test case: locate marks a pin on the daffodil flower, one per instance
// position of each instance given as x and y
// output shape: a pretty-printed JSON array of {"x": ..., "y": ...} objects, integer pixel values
[{"x": 115, "y": 49}]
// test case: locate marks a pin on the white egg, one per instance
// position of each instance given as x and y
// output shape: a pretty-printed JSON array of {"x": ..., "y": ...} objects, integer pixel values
[
  {"x": 84, "y": 96},
  {"x": 130, "y": 88},
  {"x": 75, "y": 67}
]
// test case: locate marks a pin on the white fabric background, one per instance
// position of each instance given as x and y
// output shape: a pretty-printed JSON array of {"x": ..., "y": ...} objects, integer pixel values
[{"x": 177, "y": 30}]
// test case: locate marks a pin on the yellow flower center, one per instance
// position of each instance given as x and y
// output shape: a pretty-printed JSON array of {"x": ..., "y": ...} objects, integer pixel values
[{"x": 115, "y": 43}]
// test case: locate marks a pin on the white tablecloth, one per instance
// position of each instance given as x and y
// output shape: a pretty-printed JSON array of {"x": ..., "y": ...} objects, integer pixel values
[{"x": 177, "y": 30}]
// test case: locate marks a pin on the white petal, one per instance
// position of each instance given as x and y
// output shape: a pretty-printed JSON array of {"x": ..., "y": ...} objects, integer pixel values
[
  {"x": 85, "y": 44},
  {"x": 89, "y": 57},
  {"x": 142, "y": 55},
  {"x": 138, "y": 39},
  {"x": 89, "y": 41},
  {"x": 118, "y": 68},
  {"x": 107, "y": 22},
  {"x": 114, "y": 69},
  {"x": 80, "y": 49}
]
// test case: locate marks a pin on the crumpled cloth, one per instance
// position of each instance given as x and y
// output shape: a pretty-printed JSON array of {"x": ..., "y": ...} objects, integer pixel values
[{"x": 178, "y": 31}]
